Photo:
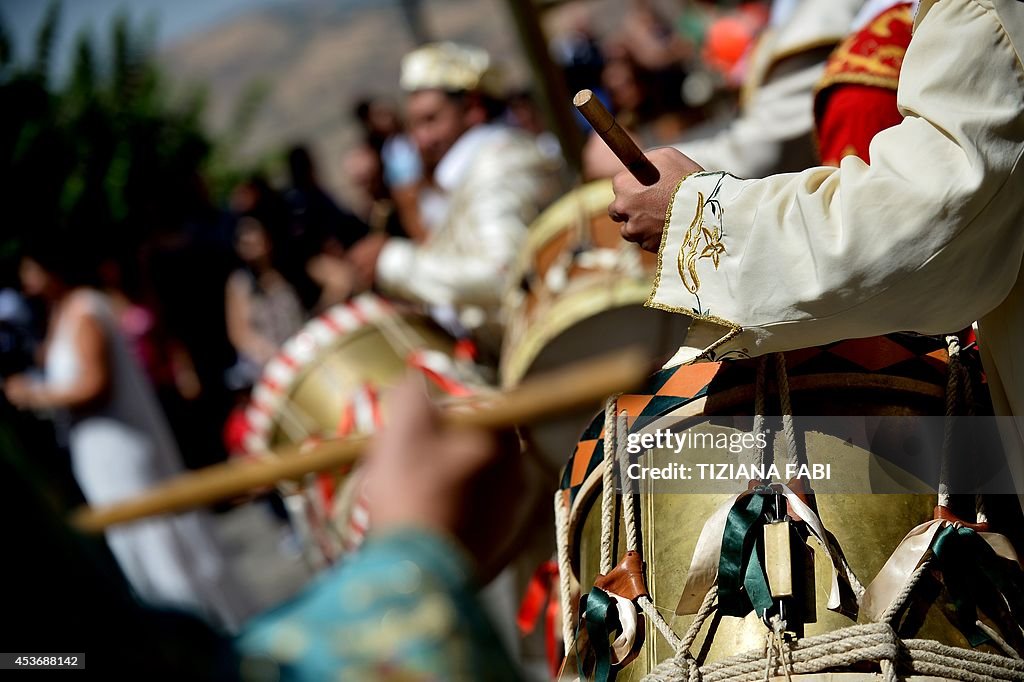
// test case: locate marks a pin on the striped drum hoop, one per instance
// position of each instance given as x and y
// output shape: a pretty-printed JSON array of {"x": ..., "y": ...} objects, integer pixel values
[{"x": 327, "y": 382}]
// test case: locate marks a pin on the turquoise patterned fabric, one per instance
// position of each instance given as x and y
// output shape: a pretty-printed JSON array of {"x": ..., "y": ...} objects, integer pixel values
[{"x": 402, "y": 608}]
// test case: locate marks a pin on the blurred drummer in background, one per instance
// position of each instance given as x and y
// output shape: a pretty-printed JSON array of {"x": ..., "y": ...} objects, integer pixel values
[{"x": 489, "y": 182}]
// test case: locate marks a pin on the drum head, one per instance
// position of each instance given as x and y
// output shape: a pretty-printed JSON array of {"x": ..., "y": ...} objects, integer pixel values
[{"x": 656, "y": 332}]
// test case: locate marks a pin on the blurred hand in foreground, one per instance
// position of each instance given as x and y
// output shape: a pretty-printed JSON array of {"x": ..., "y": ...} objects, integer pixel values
[
  {"x": 460, "y": 482},
  {"x": 642, "y": 209}
]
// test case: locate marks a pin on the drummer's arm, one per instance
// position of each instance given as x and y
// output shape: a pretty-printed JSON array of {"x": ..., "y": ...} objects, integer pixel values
[
  {"x": 405, "y": 605},
  {"x": 420, "y": 273},
  {"x": 926, "y": 238},
  {"x": 489, "y": 234}
]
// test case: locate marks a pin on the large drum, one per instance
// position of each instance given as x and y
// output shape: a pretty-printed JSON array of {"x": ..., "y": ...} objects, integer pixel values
[
  {"x": 580, "y": 293},
  {"x": 898, "y": 375},
  {"x": 327, "y": 382}
]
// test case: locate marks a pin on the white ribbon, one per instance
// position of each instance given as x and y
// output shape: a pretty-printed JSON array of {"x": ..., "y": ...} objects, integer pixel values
[
  {"x": 908, "y": 556},
  {"x": 703, "y": 573},
  {"x": 623, "y": 644}
]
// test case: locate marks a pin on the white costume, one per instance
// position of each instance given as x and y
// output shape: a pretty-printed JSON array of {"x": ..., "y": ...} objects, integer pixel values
[
  {"x": 492, "y": 183},
  {"x": 773, "y": 132},
  {"x": 121, "y": 448},
  {"x": 929, "y": 237}
]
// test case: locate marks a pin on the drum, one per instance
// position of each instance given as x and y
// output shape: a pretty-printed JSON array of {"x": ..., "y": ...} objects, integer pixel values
[
  {"x": 580, "y": 293},
  {"x": 896, "y": 375},
  {"x": 327, "y": 382}
]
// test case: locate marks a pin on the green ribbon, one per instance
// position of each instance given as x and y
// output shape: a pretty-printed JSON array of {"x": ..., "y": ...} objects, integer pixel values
[
  {"x": 602, "y": 619},
  {"x": 972, "y": 569},
  {"x": 742, "y": 583}
]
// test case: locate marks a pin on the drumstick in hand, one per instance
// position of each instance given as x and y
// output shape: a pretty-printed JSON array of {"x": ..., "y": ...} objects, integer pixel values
[
  {"x": 617, "y": 139},
  {"x": 540, "y": 398}
]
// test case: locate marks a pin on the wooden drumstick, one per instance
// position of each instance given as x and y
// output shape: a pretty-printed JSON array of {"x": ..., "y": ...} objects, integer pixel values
[
  {"x": 537, "y": 399},
  {"x": 617, "y": 139}
]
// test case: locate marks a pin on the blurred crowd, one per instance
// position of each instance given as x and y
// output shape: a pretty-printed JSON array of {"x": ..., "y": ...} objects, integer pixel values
[
  {"x": 278, "y": 250},
  {"x": 207, "y": 293}
]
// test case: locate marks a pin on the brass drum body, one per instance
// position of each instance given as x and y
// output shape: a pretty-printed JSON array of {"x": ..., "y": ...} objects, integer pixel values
[{"x": 868, "y": 527}]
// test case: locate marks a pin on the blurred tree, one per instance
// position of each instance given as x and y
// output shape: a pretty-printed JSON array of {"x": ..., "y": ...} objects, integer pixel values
[
  {"x": 105, "y": 155},
  {"x": 114, "y": 160}
]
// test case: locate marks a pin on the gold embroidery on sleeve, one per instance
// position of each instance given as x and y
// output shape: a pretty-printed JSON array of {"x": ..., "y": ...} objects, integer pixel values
[
  {"x": 685, "y": 259},
  {"x": 694, "y": 313},
  {"x": 690, "y": 251}
]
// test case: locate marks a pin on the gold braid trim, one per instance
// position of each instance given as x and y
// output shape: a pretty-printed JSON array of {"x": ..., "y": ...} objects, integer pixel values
[
  {"x": 664, "y": 239},
  {"x": 734, "y": 329},
  {"x": 847, "y": 78}
]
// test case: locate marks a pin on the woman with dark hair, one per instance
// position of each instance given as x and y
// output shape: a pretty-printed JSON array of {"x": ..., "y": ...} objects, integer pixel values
[
  {"x": 119, "y": 440},
  {"x": 262, "y": 307}
]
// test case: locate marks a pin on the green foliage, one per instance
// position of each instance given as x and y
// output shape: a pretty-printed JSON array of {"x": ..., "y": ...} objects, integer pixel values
[{"x": 106, "y": 155}]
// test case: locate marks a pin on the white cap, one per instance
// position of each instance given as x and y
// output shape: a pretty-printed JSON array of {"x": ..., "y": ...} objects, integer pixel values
[{"x": 451, "y": 67}]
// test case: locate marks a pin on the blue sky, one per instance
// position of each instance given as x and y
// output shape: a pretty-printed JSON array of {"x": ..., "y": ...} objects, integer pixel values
[{"x": 174, "y": 19}]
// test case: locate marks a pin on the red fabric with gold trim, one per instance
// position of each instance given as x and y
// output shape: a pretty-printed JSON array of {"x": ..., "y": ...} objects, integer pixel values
[
  {"x": 854, "y": 114},
  {"x": 856, "y": 97}
]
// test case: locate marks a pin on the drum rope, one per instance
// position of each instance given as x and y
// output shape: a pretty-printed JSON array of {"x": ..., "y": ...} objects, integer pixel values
[
  {"x": 900, "y": 600},
  {"x": 564, "y": 568},
  {"x": 788, "y": 428},
  {"x": 959, "y": 401},
  {"x": 876, "y": 642},
  {"x": 294, "y": 421},
  {"x": 707, "y": 607},
  {"x": 614, "y": 442},
  {"x": 581, "y": 231},
  {"x": 608, "y": 482},
  {"x": 628, "y": 510},
  {"x": 952, "y": 394},
  {"x": 632, "y": 536},
  {"x": 399, "y": 335},
  {"x": 795, "y": 458},
  {"x": 652, "y": 613},
  {"x": 997, "y": 639},
  {"x": 776, "y": 645}
]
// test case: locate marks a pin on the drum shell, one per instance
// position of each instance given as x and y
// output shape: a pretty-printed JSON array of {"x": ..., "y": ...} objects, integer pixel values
[
  {"x": 868, "y": 527},
  {"x": 324, "y": 388},
  {"x": 330, "y": 381},
  {"x": 580, "y": 293}
]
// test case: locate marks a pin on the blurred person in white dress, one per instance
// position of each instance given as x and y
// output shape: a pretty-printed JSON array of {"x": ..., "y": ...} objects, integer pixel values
[{"x": 119, "y": 440}]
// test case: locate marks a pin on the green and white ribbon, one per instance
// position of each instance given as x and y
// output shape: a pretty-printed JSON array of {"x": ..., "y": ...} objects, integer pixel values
[{"x": 705, "y": 565}]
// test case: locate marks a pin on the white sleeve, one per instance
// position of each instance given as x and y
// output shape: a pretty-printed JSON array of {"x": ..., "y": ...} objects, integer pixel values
[
  {"x": 773, "y": 132},
  {"x": 468, "y": 262},
  {"x": 927, "y": 238}
]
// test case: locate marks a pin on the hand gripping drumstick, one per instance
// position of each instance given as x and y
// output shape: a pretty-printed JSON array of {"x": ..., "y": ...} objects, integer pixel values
[
  {"x": 577, "y": 386},
  {"x": 621, "y": 144}
]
